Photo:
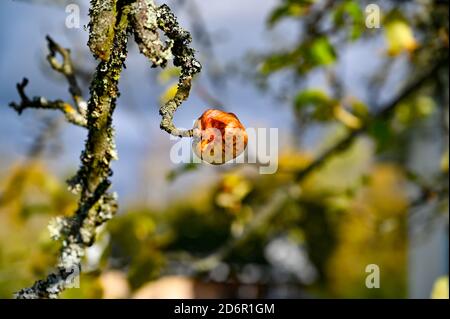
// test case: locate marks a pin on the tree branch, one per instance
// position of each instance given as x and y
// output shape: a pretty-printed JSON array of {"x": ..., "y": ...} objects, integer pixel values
[
  {"x": 39, "y": 102},
  {"x": 75, "y": 116},
  {"x": 96, "y": 205},
  {"x": 147, "y": 20},
  {"x": 183, "y": 58},
  {"x": 67, "y": 69}
]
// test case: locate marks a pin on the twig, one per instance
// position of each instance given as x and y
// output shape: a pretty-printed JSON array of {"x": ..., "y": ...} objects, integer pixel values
[
  {"x": 183, "y": 58},
  {"x": 39, "y": 102},
  {"x": 75, "y": 115},
  {"x": 147, "y": 20},
  {"x": 67, "y": 69}
]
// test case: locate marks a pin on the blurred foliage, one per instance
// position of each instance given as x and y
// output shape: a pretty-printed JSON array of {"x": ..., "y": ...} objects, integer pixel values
[
  {"x": 440, "y": 288},
  {"x": 168, "y": 77},
  {"x": 29, "y": 196},
  {"x": 373, "y": 230},
  {"x": 335, "y": 218},
  {"x": 290, "y": 8}
]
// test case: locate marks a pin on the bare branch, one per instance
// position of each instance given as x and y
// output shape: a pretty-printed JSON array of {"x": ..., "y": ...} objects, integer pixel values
[
  {"x": 75, "y": 115},
  {"x": 38, "y": 102},
  {"x": 145, "y": 27},
  {"x": 66, "y": 68}
]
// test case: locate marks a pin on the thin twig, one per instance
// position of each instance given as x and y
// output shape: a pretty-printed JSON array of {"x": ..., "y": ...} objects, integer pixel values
[
  {"x": 75, "y": 115},
  {"x": 39, "y": 102},
  {"x": 66, "y": 68}
]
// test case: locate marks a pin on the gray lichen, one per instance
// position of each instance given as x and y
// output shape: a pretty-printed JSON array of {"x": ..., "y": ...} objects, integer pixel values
[
  {"x": 183, "y": 58},
  {"x": 101, "y": 27},
  {"x": 145, "y": 28},
  {"x": 147, "y": 20}
]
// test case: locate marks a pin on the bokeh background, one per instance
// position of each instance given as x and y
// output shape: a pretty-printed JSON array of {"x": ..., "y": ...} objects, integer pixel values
[{"x": 313, "y": 70}]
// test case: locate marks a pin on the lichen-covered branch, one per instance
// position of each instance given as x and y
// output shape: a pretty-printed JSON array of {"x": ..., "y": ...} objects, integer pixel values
[
  {"x": 145, "y": 27},
  {"x": 183, "y": 58},
  {"x": 110, "y": 23},
  {"x": 147, "y": 20},
  {"x": 96, "y": 205}
]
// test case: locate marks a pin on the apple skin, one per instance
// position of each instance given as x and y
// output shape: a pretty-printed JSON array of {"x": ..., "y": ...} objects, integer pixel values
[{"x": 218, "y": 137}]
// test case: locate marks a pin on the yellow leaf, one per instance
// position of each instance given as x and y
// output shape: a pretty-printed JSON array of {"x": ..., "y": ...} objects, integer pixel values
[
  {"x": 167, "y": 74},
  {"x": 400, "y": 37},
  {"x": 440, "y": 288},
  {"x": 347, "y": 118},
  {"x": 169, "y": 93},
  {"x": 444, "y": 162}
]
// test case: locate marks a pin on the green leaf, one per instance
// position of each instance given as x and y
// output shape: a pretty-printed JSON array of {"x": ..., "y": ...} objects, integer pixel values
[
  {"x": 315, "y": 102},
  {"x": 177, "y": 172},
  {"x": 353, "y": 9},
  {"x": 381, "y": 131},
  {"x": 322, "y": 52},
  {"x": 303, "y": 58},
  {"x": 413, "y": 109},
  {"x": 282, "y": 60},
  {"x": 277, "y": 14},
  {"x": 349, "y": 14},
  {"x": 359, "y": 108},
  {"x": 311, "y": 97},
  {"x": 292, "y": 8}
]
